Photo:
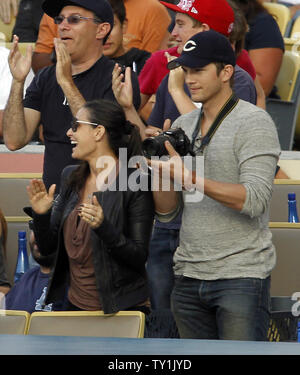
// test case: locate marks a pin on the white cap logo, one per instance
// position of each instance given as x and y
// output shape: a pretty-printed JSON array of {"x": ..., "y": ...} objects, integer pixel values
[
  {"x": 230, "y": 28},
  {"x": 185, "y": 5},
  {"x": 189, "y": 46}
]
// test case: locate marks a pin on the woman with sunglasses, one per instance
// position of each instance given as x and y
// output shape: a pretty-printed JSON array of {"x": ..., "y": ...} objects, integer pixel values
[{"x": 100, "y": 231}]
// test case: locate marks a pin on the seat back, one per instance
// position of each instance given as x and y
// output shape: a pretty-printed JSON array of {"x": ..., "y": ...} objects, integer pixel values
[
  {"x": 279, "y": 200},
  {"x": 295, "y": 30},
  {"x": 291, "y": 167},
  {"x": 290, "y": 44},
  {"x": 13, "y": 322},
  {"x": 283, "y": 323},
  {"x": 87, "y": 323},
  {"x": 22, "y": 46},
  {"x": 281, "y": 14},
  {"x": 285, "y": 277},
  {"x": 6, "y": 29},
  {"x": 287, "y": 77},
  {"x": 13, "y": 192},
  {"x": 284, "y": 111}
]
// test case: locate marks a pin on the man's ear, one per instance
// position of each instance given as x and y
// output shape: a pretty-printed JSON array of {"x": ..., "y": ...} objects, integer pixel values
[
  {"x": 205, "y": 27},
  {"x": 103, "y": 29},
  {"x": 228, "y": 71}
]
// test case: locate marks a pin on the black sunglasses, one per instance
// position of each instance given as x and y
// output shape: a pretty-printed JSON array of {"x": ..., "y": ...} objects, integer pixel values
[
  {"x": 74, "y": 19},
  {"x": 74, "y": 124}
]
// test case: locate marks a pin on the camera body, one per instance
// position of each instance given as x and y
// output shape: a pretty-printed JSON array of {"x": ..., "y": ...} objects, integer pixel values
[{"x": 155, "y": 146}]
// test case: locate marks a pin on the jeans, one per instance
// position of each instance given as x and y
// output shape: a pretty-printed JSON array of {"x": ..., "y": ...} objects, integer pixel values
[
  {"x": 160, "y": 266},
  {"x": 233, "y": 309}
]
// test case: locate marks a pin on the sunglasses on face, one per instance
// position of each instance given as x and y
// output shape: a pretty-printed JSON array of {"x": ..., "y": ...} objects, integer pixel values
[
  {"x": 73, "y": 19},
  {"x": 74, "y": 124}
]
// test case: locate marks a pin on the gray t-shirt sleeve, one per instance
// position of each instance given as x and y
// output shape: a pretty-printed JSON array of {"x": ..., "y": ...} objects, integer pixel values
[{"x": 257, "y": 150}]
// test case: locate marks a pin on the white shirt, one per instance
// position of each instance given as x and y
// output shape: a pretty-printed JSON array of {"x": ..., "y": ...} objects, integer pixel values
[
  {"x": 6, "y": 77},
  {"x": 294, "y": 2}
]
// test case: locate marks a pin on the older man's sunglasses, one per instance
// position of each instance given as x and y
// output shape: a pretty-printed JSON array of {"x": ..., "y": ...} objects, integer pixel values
[{"x": 74, "y": 19}]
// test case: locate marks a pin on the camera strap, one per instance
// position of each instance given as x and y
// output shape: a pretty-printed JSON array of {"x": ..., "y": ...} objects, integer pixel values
[{"x": 226, "y": 109}]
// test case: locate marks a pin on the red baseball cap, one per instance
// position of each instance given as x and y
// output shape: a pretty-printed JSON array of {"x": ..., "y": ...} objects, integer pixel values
[{"x": 217, "y": 14}]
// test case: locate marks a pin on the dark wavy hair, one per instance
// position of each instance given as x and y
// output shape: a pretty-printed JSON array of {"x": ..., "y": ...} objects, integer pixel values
[
  {"x": 251, "y": 8},
  {"x": 120, "y": 132},
  {"x": 240, "y": 27},
  {"x": 119, "y": 9}
]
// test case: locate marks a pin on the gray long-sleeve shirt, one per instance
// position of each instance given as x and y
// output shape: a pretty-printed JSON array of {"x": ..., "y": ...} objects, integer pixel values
[{"x": 217, "y": 242}]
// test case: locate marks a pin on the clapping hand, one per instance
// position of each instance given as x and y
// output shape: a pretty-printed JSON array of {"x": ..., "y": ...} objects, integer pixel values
[
  {"x": 19, "y": 65},
  {"x": 122, "y": 86},
  {"x": 92, "y": 213},
  {"x": 63, "y": 62},
  {"x": 176, "y": 77},
  {"x": 41, "y": 200}
]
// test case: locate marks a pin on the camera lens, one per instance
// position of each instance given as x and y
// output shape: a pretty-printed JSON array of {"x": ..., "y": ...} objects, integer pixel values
[{"x": 153, "y": 147}]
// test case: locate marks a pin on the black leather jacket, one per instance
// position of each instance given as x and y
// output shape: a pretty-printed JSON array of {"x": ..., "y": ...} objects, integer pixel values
[{"x": 120, "y": 244}]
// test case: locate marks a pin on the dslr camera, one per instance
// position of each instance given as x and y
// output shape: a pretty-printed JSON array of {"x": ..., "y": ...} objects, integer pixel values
[{"x": 155, "y": 146}]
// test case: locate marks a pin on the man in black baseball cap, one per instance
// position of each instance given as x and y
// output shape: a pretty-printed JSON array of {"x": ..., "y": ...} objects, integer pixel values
[
  {"x": 203, "y": 49},
  {"x": 224, "y": 236},
  {"x": 101, "y": 8}
]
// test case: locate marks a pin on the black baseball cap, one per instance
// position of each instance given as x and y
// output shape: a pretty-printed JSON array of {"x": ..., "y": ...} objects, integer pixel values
[
  {"x": 101, "y": 8},
  {"x": 204, "y": 48}
]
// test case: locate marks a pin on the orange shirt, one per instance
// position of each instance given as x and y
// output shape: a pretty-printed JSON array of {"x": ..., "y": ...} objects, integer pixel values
[
  {"x": 47, "y": 32},
  {"x": 148, "y": 21}
]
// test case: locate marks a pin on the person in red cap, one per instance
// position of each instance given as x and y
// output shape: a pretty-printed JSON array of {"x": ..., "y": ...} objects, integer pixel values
[
  {"x": 205, "y": 15},
  {"x": 217, "y": 14}
]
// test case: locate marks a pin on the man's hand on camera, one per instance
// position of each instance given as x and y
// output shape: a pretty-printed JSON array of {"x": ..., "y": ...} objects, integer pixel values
[
  {"x": 172, "y": 169},
  {"x": 152, "y": 131}
]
